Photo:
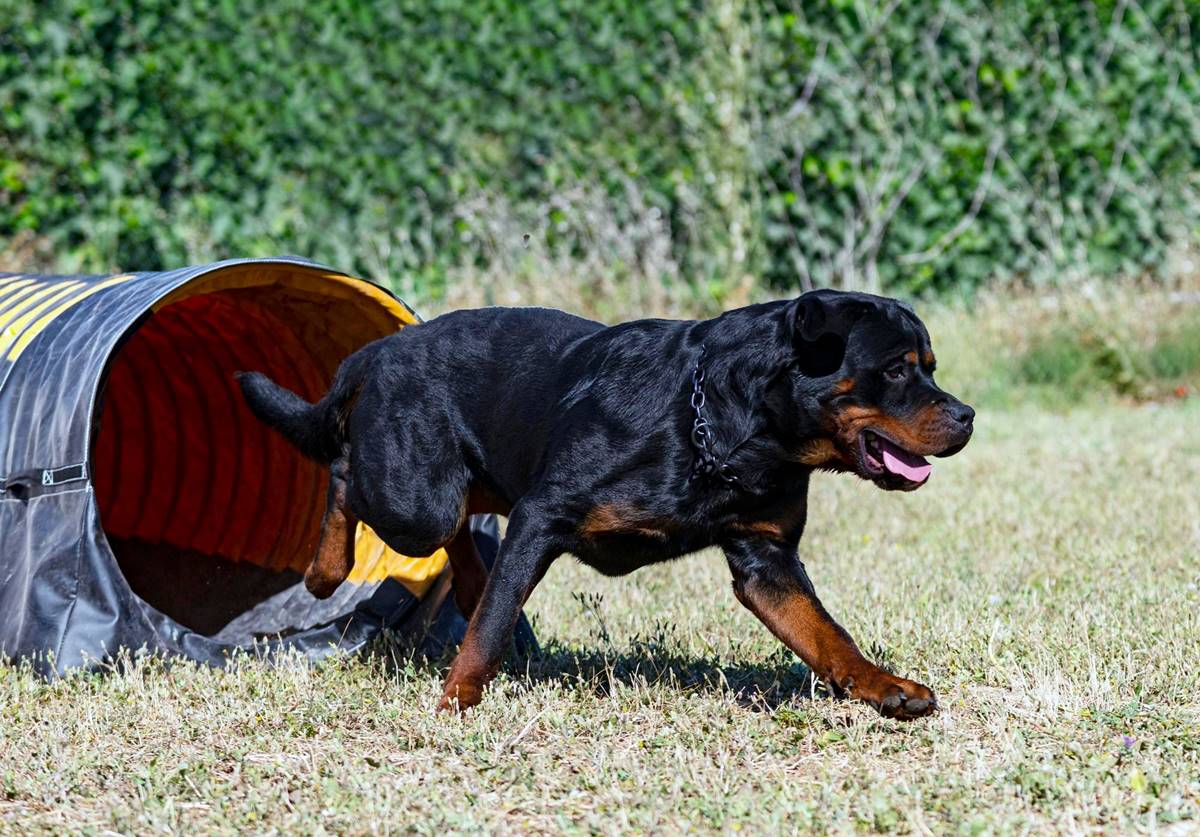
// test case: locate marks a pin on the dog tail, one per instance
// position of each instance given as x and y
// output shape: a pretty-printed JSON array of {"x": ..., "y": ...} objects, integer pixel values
[{"x": 317, "y": 430}]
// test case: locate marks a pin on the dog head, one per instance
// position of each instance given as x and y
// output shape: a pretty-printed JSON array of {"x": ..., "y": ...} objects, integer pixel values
[{"x": 862, "y": 380}]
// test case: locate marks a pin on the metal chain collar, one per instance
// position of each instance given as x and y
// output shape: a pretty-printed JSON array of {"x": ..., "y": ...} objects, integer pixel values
[{"x": 707, "y": 466}]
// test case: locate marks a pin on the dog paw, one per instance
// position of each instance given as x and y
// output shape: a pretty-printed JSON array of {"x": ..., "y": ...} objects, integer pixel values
[
  {"x": 459, "y": 697},
  {"x": 898, "y": 698}
]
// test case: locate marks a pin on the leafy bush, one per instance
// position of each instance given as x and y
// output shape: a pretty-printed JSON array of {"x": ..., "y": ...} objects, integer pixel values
[
  {"x": 1062, "y": 348},
  {"x": 1074, "y": 361},
  {"x": 1177, "y": 355},
  {"x": 940, "y": 144},
  {"x": 904, "y": 146}
]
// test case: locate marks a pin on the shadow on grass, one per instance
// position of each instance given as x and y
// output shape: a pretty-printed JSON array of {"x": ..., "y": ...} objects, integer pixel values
[
  {"x": 756, "y": 686},
  {"x": 761, "y": 687}
]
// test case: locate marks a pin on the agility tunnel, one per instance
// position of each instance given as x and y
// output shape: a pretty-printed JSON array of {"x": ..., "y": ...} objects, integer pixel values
[{"x": 143, "y": 507}]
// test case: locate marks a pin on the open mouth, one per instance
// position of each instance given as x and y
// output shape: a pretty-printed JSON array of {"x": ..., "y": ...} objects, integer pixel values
[{"x": 883, "y": 456}]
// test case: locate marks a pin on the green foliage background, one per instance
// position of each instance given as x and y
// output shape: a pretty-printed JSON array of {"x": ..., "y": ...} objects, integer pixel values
[{"x": 903, "y": 146}]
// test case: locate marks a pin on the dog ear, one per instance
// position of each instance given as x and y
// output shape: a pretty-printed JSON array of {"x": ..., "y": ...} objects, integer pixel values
[{"x": 820, "y": 325}]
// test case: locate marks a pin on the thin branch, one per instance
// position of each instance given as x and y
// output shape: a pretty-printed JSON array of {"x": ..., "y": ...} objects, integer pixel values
[
  {"x": 964, "y": 223},
  {"x": 875, "y": 234},
  {"x": 810, "y": 83}
]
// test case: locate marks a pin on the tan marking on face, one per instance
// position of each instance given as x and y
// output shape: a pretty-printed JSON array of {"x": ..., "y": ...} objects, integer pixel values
[
  {"x": 621, "y": 520},
  {"x": 843, "y": 386},
  {"x": 910, "y": 357},
  {"x": 929, "y": 359},
  {"x": 921, "y": 434}
]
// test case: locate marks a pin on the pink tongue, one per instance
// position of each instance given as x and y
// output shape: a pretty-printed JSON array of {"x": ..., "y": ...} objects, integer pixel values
[{"x": 908, "y": 465}]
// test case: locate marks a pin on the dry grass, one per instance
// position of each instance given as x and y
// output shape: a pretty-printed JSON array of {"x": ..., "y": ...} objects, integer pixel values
[{"x": 1045, "y": 583}]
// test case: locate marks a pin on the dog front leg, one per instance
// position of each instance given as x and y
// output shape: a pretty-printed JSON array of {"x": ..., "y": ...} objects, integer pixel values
[
  {"x": 770, "y": 581},
  {"x": 524, "y": 556}
]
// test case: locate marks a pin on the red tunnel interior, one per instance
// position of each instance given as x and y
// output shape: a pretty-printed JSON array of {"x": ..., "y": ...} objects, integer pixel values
[{"x": 199, "y": 500}]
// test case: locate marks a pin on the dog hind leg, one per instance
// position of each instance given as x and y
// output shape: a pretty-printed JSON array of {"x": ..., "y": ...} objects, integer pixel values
[
  {"x": 470, "y": 573},
  {"x": 335, "y": 552}
]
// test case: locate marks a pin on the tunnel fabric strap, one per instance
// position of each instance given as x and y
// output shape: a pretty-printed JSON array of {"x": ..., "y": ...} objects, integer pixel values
[
  {"x": 67, "y": 473},
  {"x": 28, "y": 483}
]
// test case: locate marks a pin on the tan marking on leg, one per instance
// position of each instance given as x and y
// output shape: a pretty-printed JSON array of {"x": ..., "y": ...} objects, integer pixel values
[
  {"x": 482, "y": 501},
  {"x": 803, "y": 625},
  {"x": 335, "y": 552},
  {"x": 469, "y": 674},
  {"x": 622, "y": 520},
  {"x": 770, "y": 529},
  {"x": 470, "y": 573}
]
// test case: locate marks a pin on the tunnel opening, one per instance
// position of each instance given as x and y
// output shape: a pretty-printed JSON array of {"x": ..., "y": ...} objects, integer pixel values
[{"x": 212, "y": 516}]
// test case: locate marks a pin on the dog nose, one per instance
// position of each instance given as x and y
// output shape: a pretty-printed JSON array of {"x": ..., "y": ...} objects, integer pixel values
[{"x": 962, "y": 413}]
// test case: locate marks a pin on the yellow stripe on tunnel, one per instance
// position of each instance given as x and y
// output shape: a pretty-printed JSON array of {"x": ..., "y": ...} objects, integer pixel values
[
  {"x": 18, "y": 308},
  {"x": 21, "y": 293},
  {"x": 5, "y": 281},
  {"x": 10, "y": 333},
  {"x": 36, "y": 329},
  {"x": 374, "y": 562},
  {"x": 7, "y": 286}
]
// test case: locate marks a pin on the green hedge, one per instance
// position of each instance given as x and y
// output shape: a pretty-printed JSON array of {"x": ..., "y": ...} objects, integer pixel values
[
  {"x": 948, "y": 143},
  {"x": 902, "y": 146}
]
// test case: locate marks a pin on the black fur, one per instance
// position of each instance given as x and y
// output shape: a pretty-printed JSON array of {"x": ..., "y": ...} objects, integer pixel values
[{"x": 582, "y": 432}]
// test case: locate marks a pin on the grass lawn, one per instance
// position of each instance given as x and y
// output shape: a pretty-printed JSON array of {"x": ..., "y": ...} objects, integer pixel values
[{"x": 1045, "y": 584}]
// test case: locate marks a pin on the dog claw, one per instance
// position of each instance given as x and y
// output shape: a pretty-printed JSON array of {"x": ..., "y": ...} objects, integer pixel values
[
  {"x": 905, "y": 701},
  {"x": 916, "y": 706}
]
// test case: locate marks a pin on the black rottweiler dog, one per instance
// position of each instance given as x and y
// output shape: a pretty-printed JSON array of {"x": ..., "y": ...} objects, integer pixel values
[{"x": 625, "y": 446}]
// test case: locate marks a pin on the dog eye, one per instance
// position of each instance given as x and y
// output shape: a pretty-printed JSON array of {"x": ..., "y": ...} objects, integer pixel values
[{"x": 896, "y": 372}]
